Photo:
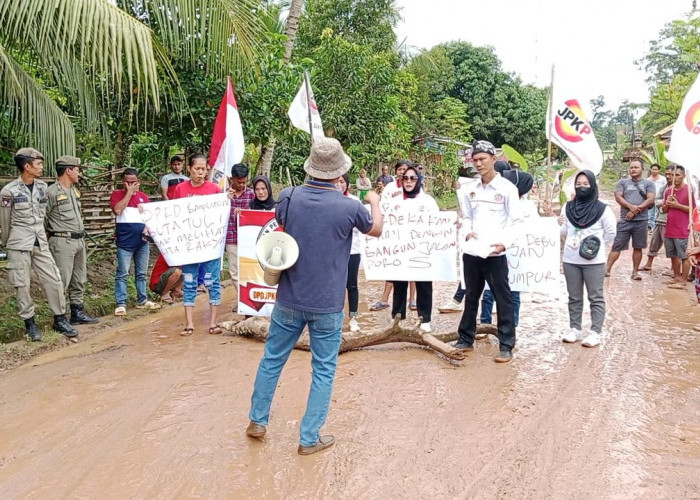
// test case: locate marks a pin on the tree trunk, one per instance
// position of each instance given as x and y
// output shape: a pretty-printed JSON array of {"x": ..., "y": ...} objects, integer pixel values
[
  {"x": 291, "y": 27},
  {"x": 264, "y": 165},
  {"x": 257, "y": 328}
]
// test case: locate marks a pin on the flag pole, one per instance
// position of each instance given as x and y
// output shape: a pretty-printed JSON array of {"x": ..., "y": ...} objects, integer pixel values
[
  {"x": 308, "y": 104},
  {"x": 549, "y": 192},
  {"x": 691, "y": 199}
]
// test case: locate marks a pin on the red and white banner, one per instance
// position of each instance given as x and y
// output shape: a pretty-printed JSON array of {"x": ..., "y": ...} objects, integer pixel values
[
  {"x": 571, "y": 130},
  {"x": 685, "y": 137},
  {"x": 255, "y": 297},
  {"x": 227, "y": 143}
]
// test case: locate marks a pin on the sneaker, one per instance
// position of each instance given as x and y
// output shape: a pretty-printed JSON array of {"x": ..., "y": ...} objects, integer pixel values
[
  {"x": 425, "y": 327},
  {"x": 323, "y": 443},
  {"x": 354, "y": 327},
  {"x": 151, "y": 306},
  {"x": 120, "y": 311},
  {"x": 463, "y": 346},
  {"x": 504, "y": 356},
  {"x": 592, "y": 339},
  {"x": 255, "y": 430},
  {"x": 573, "y": 335},
  {"x": 450, "y": 306}
]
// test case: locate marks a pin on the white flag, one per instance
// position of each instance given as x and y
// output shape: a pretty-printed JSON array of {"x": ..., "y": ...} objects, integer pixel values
[
  {"x": 685, "y": 137},
  {"x": 299, "y": 111},
  {"x": 571, "y": 130}
]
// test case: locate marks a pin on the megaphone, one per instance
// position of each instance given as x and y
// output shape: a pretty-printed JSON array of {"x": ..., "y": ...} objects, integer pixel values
[{"x": 276, "y": 251}]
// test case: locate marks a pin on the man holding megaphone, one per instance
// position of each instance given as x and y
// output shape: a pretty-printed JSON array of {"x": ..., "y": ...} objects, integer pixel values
[{"x": 312, "y": 291}]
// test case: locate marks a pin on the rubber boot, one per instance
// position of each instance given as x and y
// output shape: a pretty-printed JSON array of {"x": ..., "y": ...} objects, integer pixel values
[
  {"x": 61, "y": 325},
  {"x": 78, "y": 316},
  {"x": 33, "y": 333}
]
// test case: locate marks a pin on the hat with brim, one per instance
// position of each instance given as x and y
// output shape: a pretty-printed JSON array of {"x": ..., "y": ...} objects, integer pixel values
[
  {"x": 327, "y": 159},
  {"x": 68, "y": 161},
  {"x": 30, "y": 153}
]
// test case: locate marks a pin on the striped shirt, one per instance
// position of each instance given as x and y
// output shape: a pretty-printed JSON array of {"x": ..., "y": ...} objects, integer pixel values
[{"x": 241, "y": 202}]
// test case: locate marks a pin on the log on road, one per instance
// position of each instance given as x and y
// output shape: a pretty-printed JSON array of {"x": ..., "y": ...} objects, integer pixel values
[{"x": 397, "y": 331}]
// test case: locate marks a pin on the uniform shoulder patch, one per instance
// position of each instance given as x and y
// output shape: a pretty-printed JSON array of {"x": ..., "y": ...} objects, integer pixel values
[
  {"x": 77, "y": 192},
  {"x": 6, "y": 201}
]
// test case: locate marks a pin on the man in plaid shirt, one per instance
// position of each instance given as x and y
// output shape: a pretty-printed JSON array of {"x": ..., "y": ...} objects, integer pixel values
[{"x": 242, "y": 195}]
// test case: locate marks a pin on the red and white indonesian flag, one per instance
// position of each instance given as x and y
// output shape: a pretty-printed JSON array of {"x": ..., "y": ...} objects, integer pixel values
[
  {"x": 571, "y": 130},
  {"x": 685, "y": 137},
  {"x": 227, "y": 143},
  {"x": 299, "y": 113}
]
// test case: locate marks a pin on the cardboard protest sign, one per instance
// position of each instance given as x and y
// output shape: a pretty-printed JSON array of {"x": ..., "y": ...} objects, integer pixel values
[
  {"x": 533, "y": 261},
  {"x": 414, "y": 246},
  {"x": 189, "y": 230},
  {"x": 255, "y": 297}
]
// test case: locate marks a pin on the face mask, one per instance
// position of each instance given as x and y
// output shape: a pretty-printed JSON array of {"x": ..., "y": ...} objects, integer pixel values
[{"x": 583, "y": 193}]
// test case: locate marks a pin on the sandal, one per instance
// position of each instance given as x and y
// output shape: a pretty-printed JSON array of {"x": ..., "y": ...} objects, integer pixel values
[
  {"x": 186, "y": 332},
  {"x": 378, "y": 306},
  {"x": 412, "y": 306},
  {"x": 636, "y": 277},
  {"x": 166, "y": 298},
  {"x": 607, "y": 274},
  {"x": 646, "y": 269},
  {"x": 215, "y": 330},
  {"x": 677, "y": 286}
]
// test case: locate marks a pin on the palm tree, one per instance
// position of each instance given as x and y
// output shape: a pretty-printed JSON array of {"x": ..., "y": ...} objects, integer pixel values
[
  {"x": 290, "y": 30},
  {"x": 80, "y": 53}
]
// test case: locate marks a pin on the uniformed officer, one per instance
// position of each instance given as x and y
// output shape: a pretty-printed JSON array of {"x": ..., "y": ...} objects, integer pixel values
[
  {"x": 66, "y": 232},
  {"x": 22, "y": 210}
]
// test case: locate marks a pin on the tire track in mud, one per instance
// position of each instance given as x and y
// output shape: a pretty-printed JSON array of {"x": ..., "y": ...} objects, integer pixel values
[{"x": 553, "y": 448}]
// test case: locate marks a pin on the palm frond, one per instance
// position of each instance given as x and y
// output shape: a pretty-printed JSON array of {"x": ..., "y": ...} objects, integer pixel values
[
  {"x": 112, "y": 45},
  {"x": 221, "y": 34},
  {"x": 32, "y": 111}
]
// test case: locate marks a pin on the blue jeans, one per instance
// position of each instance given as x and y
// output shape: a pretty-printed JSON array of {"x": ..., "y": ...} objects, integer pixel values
[
  {"x": 286, "y": 325},
  {"x": 200, "y": 276},
  {"x": 124, "y": 258},
  {"x": 212, "y": 280},
  {"x": 487, "y": 306}
]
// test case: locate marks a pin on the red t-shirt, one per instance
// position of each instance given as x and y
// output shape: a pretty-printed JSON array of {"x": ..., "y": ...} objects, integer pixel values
[
  {"x": 185, "y": 189},
  {"x": 158, "y": 269},
  {"x": 677, "y": 222}
]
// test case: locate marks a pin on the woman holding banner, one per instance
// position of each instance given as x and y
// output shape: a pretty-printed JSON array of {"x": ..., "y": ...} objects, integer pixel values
[
  {"x": 414, "y": 200},
  {"x": 589, "y": 225},
  {"x": 199, "y": 186}
]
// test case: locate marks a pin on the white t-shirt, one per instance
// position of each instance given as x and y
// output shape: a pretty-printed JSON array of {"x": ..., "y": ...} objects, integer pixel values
[{"x": 604, "y": 228}]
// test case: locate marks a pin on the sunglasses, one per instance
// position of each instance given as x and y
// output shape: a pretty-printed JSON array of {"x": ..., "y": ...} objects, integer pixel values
[{"x": 409, "y": 178}]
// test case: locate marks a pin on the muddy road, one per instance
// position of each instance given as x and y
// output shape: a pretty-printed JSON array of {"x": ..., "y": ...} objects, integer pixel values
[{"x": 140, "y": 412}]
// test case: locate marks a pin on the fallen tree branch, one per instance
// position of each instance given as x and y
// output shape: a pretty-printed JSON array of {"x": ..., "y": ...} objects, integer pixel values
[{"x": 397, "y": 331}]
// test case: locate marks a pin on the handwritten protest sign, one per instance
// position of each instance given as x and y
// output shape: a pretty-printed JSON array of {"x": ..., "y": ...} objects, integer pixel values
[
  {"x": 414, "y": 246},
  {"x": 256, "y": 298},
  {"x": 533, "y": 261},
  {"x": 189, "y": 230}
]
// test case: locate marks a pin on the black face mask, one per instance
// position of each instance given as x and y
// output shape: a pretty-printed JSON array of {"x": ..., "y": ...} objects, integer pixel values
[{"x": 583, "y": 193}]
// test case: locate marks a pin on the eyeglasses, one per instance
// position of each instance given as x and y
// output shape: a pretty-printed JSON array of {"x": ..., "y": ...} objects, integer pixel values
[{"x": 409, "y": 178}]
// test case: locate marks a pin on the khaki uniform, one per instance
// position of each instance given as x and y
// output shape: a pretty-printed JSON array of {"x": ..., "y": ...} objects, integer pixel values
[
  {"x": 22, "y": 220},
  {"x": 66, "y": 232}
]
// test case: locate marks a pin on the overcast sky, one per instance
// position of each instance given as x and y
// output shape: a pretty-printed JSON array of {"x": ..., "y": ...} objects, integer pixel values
[{"x": 592, "y": 43}]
